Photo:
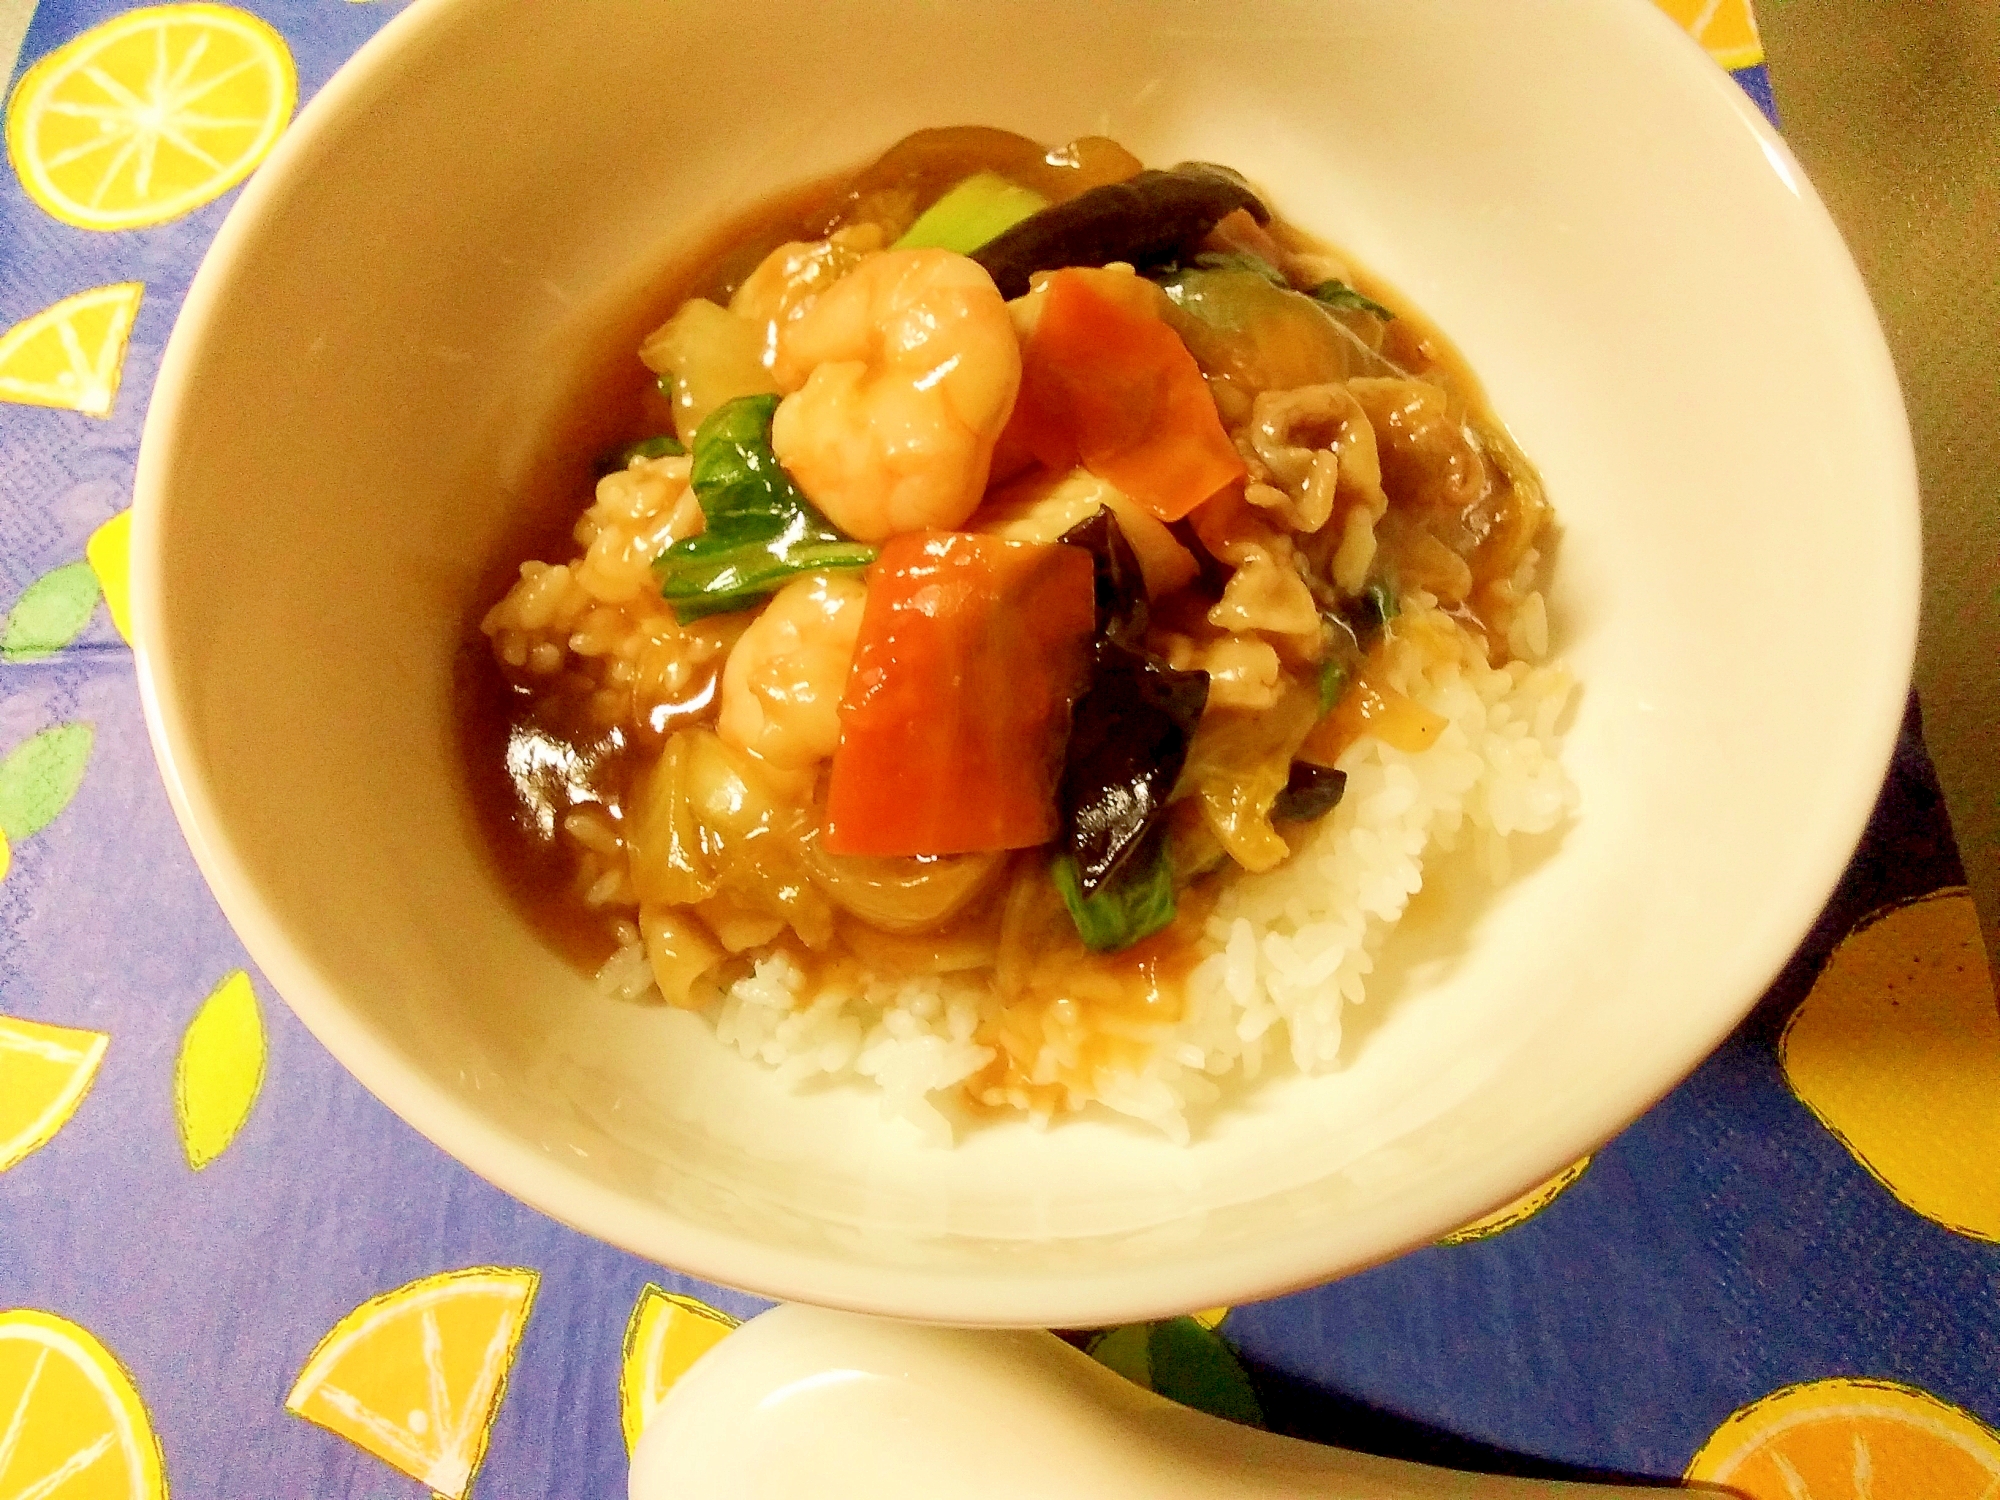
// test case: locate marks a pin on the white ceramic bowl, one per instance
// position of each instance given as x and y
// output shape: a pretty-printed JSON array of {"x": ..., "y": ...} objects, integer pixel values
[{"x": 1660, "y": 308}]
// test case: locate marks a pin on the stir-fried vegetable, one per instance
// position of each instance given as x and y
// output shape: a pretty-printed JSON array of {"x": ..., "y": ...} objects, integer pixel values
[
  {"x": 1129, "y": 732},
  {"x": 901, "y": 895},
  {"x": 1337, "y": 293},
  {"x": 1311, "y": 792},
  {"x": 1047, "y": 506},
  {"x": 1333, "y": 293},
  {"x": 1106, "y": 383},
  {"x": 1119, "y": 581},
  {"x": 1248, "y": 326},
  {"x": 1225, "y": 260},
  {"x": 979, "y": 208},
  {"x": 706, "y": 829},
  {"x": 1140, "y": 221},
  {"x": 760, "y": 530},
  {"x": 1340, "y": 654},
  {"x": 922, "y": 167},
  {"x": 1016, "y": 753},
  {"x": 1236, "y": 767},
  {"x": 1128, "y": 742},
  {"x": 971, "y": 653},
  {"x": 705, "y": 356},
  {"x": 683, "y": 956},
  {"x": 1372, "y": 707},
  {"x": 1134, "y": 905},
  {"x": 664, "y": 445},
  {"x": 1331, "y": 683}
]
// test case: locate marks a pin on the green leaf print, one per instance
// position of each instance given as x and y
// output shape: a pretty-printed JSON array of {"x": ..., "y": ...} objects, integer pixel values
[
  {"x": 39, "y": 776},
  {"x": 1195, "y": 1367},
  {"x": 49, "y": 613},
  {"x": 1183, "y": 1361},
  {"x": 1124, "y": 1350}
]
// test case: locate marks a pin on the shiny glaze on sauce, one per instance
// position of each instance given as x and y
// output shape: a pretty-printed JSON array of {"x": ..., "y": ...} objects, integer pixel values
[{"x": 527, "y": 764}]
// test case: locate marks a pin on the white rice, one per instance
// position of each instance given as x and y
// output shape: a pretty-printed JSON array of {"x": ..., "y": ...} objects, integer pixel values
[{"x": 1287, "y": 950}]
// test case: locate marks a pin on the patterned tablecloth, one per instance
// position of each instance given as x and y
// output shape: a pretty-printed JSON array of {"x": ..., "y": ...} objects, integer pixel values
[{"x": 227, "y": 1266}]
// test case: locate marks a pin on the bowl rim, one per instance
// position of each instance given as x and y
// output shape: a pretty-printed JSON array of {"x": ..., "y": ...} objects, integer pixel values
[{"x": 997, "y": 1296}]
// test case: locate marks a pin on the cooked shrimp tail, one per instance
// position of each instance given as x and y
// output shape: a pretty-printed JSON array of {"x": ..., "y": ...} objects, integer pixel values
[{"x": 914, "y": 369}]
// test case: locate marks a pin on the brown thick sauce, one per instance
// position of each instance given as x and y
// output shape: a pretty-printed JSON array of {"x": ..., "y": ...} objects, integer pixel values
[{"x": 529, "y": 759}]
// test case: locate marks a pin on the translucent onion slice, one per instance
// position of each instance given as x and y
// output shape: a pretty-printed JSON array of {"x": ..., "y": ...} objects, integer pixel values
[{"x": 902, "y": 896}]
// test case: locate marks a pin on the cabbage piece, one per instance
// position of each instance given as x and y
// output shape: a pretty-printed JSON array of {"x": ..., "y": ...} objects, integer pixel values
[
  {"x": 663, "y": 836},
  {"x": 1238, "y": 765},
  {"x": 683, "y": 956},
  {"x": 706, "y": 825},
  {"x": 905, "y": 895},
  {"x": 1239, "y": 324},
  {"x": 705, "y": 356}
]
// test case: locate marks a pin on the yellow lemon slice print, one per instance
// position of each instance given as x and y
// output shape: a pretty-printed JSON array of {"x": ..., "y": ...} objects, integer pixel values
[
  {"x": 416, "y": 1376},
  {"x": 1846, "y": 1439},
  {"x": 150, "y": 115},
  {"x": 1725, "y": 27},
  {"x": 74, "y": 1427},
  {"x": 666, "y": 1333},
  {"x": 1520, "y": 1210},
  {"x": 1896, "y": 1048},
  {"x": 109, "y": 553},
  {"x": 71, "y": 355},
  {"x": 44, "y": 1073}
]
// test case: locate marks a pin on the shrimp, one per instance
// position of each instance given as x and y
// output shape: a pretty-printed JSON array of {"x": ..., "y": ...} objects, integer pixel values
[
  {"x": 790, "y": 279},
  {"x": 915, "y": 365},
  {"x": 782, "y": 686}
]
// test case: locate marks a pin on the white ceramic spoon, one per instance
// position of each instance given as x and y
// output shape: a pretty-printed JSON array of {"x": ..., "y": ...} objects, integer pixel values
[{"x": 804, "y": 1404}]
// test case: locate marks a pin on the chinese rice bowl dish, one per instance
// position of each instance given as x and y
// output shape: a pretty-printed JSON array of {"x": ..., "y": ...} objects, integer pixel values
[{"x": 1041, "y": 620}]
